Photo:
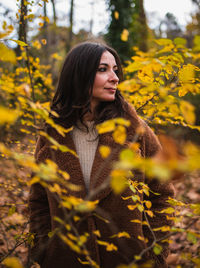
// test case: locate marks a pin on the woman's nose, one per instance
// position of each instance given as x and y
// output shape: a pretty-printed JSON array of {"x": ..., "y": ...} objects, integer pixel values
[{"x": 113, "y": 77}]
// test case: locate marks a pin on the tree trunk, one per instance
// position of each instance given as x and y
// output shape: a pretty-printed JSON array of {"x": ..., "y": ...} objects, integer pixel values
[
  {"x": 143, "y": 27},
  {"x": 54, "y": 12},
  {"x": 45, "y": 34},
  {"x": 71, "y": 15},
  {"x": 92, "y": 17},
  {"x": 22, "y": 32}
]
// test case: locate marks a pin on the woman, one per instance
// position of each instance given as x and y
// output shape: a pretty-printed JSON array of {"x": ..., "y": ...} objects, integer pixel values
[{"x": 87, "y": 95}]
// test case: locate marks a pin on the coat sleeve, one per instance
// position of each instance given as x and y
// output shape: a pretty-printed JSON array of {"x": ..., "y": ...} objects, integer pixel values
[
  {"x": 40, "y": 219},
  {"x": 151, "y": 147}
]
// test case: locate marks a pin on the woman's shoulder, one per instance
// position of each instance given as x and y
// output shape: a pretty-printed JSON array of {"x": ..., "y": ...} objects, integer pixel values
[{"x": 43, "y": 141}]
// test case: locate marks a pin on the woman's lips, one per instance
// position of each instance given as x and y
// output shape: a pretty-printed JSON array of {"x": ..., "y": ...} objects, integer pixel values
[{"x": 111, "y": 89}]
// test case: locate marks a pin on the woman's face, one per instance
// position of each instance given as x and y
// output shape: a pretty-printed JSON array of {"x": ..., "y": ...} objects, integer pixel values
[{"x": 106, "y": 80}]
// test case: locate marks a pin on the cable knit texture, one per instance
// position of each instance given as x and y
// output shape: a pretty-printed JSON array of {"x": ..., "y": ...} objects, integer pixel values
[{"x": 86, "y": 142}]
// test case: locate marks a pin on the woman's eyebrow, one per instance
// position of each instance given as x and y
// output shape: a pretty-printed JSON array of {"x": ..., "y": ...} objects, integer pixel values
[{"x": 107, "y": 64}]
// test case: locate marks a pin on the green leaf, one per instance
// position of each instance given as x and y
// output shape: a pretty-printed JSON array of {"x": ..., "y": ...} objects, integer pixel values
[
  {"x": 157, "y": 249},
  {"x": 132, "y": 188},
  {"x": 11, "y": 211},
  {"x": 192, "y": 238},
  {"x": 180, "y": 41},
  {"x": 140, "y": 208}
]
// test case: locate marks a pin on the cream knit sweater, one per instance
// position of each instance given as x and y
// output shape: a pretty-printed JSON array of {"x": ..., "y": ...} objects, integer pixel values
[{"x": 86, "y": 145}]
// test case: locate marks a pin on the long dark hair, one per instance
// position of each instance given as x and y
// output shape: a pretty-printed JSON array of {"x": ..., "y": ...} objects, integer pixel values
[{"x": 74, "y": 91}]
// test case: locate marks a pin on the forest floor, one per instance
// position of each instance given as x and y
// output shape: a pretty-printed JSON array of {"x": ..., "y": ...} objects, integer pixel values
[{"x": 14, "y": 213}]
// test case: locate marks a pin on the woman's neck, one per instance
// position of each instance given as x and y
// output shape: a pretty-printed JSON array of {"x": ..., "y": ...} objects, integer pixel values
[{"x": 88, "y": 117}]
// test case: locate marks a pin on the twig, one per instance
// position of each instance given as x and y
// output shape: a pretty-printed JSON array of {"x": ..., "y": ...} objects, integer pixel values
[{"x": 160, "y": 239}]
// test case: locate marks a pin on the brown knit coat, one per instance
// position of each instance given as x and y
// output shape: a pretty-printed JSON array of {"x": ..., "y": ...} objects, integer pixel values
[{"x": 52, "y": 252}]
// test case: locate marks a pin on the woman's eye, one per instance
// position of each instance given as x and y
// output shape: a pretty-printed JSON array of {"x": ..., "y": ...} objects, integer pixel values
[
  {"x": 102, "y": 69},
  {"x": 116, "y": 71}
]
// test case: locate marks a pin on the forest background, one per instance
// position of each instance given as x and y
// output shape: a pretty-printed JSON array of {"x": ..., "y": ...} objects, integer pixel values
[{"x": 161, "y": 68}]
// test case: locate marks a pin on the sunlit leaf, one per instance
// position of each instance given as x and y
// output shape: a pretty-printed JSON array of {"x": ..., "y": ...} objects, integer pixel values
[
  {"x": 116, "y": 15},
  {"x": 20, "y": 43},
  {"x": 104, "y": 151},
  {"x": 8, "y": 115},
  {"x": 118, "y": 181},
  {"x": 109, "y": 246},
  {"x": 119, "y": 134},
  {"x": 6, "y": 54},
  {"x": 12, "y": 262},
  {"x": 124, "y": 35},
  {"x": 187, "y": 110},
  {"x": 157, "y": 249}
]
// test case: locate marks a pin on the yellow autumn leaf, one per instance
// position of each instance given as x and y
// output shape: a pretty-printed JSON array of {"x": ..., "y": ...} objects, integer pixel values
[
  {"x": 140, "y": 207},
  {"x": 124, "y": 35},
  {"x": 56, "y": 56},
  {"x": 8, "y": 29},
  {"x": 7, "y": 54},
  {"x": 116, "y": 15},
  {"x": 118, "y": 181},
  {"x": 36, "y": 44},
  {"x": 83, "y": 262},
  {"x": 44, "y": 41},
  {"x": 64, "y": 174},
  {"x": 134, "y": 66},
  {"x": 150, "y": 213},
  {"x": 188, "y": 87},
  {"x": 8, "y": 115},
  {"x": 165, "y": 228},
  {"x": 97, "y": 233},
  {"x": 169, "y": 210},
  {"x": 35, "y": 179},
  {"x": 55, "y": 189},
  {"x": 106, "y": 126},
  {"x": 71, "y": 201},
  {"x": 141, "y": 237},
  {"x": 187, "y": 74},
  {"x": 104, "y": 151},
  {"x": 163, "y": 42},
  {"x": 146, "y": 74},
  {"x": 76, "y": 218},
  {"x": 136, "y": 221},
  {"x": 79, "y": 204},
  {"x": 72, "y": 237},
  {"x": 20, "y": 43},
  {"x": 148, "y": 204},
  {"x": 121, "y": 234},
  {"x": 132, "y": 207},
  {"x": 134, "y": 147},
  {"x": 187, "y": 110},
  {"x": 12, "y": 262},
  {"x": 109, "y": 246},
  {"x": 71, "y": 244},
  {"x": 119, "y": 134},
  {"x": 122, "y": 121}
]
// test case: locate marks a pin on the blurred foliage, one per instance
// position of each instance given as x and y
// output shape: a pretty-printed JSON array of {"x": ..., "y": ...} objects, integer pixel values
[
  {"x": 127, "y": 27},
  {"x": 162, "y": 84}
]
